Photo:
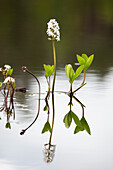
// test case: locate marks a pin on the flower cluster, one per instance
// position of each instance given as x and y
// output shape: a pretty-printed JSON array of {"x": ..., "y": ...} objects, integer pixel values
[
  {"x": 7, "y": 67},
  {"x": 7, "y": 72},
  {"x": 53, "y": 30},
  {"x": 9, "y": 80}
]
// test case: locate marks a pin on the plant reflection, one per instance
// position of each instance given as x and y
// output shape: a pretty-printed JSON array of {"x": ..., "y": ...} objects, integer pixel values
[
  {"x": 8, "y": 108},
  {"x": 49, "y": 152},
  {"x": 7, "y": 89},
  {"x": 24, "y": 68},
  {"x": 81, "y": 124}
]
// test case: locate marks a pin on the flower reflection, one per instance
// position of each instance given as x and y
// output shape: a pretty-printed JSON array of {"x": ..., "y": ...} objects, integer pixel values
[{"x": 49, "y": 152}]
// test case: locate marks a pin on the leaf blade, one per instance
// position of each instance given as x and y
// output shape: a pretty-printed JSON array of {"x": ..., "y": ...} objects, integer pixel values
[
  {"x": 88, "y": 62},
  {"x": 67, "y": 120},
  {"x": 78, "y": 71},
  {"x": 46, "y": 128},
  {"x": 85, "y": 125},
  {"x": 78, "y": 129},
  {"x": 81, "y": 60}
]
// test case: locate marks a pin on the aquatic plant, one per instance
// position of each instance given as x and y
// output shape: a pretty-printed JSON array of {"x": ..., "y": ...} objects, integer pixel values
[
  {"x": 84, "y": 62},
  {"x": 7, "y": 88}
]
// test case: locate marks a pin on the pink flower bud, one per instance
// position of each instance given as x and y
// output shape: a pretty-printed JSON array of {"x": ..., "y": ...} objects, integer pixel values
[{"x": 24, "y": 68}]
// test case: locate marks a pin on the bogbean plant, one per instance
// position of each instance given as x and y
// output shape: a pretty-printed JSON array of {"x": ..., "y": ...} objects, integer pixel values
[
  {"x": 7, "y": 87},
  {"x": 84, "y": 62}
]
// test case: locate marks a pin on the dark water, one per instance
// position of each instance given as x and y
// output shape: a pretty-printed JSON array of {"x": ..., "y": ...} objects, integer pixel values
[{"x": 86, "y": 27}]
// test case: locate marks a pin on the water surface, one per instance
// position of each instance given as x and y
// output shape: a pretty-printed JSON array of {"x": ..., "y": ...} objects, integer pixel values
[{"x": 86, "y": 27}]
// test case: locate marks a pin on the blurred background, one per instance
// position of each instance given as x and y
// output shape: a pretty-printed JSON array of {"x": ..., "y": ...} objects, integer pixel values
[{"x": 86, "y": 27}]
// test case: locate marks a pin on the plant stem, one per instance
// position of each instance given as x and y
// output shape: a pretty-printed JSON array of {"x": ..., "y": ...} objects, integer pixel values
[
  {"x": 71, "y": 94},
  {"x": 54, "y": 54},
  {"x": 23, "y": 131},
  {"x": 84, "y": 78},
  {"x": 79, "y": 88},
  {"x": 82, "y": 106}
]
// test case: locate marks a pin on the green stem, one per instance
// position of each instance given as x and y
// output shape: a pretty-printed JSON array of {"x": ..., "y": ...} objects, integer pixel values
[
  {"x": 79, "y": 88},
  {"x": 54, "y": 54}
]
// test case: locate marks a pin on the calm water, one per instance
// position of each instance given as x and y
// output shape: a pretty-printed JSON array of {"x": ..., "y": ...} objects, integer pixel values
[
  {"x": 86, "y": 27},
  {"x": 81, "y": 151}
]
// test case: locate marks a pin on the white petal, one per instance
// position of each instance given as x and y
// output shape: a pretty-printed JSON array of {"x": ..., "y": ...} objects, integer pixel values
[{"x": 7, "y": 66}]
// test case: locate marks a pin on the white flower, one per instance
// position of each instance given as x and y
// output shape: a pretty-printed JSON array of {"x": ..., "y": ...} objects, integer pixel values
[
  {"x": 7, "y": 66},
  {"x": 9, "y": 80},
  {"x": 0, "y": 69},
  {"x": 53, "y": 30}
]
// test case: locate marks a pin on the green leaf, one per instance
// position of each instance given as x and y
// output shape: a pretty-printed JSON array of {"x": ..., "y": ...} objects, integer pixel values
[
  {"x": 85, "y": 125},
  {"x": 1, "y": 84},
  {"x": 75, "y": 118},
  {"x": 78, "y": 71},
  {"x": 10, "y": 71},
  {"x": 67, "y": 120},
  {"x": 8, "y": 125},
  {"x": 49, "y": 70},
  {"x": 67, "y": 69},
  {"x": 45, "y": 108},
  {"x": 85, "y": 57},
  {"x": 88, "y": 62},
  {"x": 81, "y": 60},
  {"x": 70, "y": 72},
  {"x": 78, "y": 129},
  {"x": 47, "y": 127}
]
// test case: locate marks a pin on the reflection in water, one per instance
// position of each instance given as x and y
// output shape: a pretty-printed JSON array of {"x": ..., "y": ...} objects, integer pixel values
[
  {"x": 49, "y": 152},
  {"x": 24, "y": 68},
  {"x": 7, "y": 88}
]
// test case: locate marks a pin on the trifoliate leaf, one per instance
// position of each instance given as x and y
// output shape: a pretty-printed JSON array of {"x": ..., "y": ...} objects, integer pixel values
[
  {"x": 88, "y": 62},
  {"x": 70, "y": 72},
  {"x": 81, "y": 60},
  {"x": 85, "y": 57},
  {"x": 85, "y": 125},
  {"x": 78, "y": 129},
  {"x": 10, "y": 71},
  {"x": 75, "y": 118},
  {"x": 67, "y": 120},
  {"x": 49, "y": 70},
  {"x": 78, "y": 71},
  {"x": 47, "y": 127}
]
